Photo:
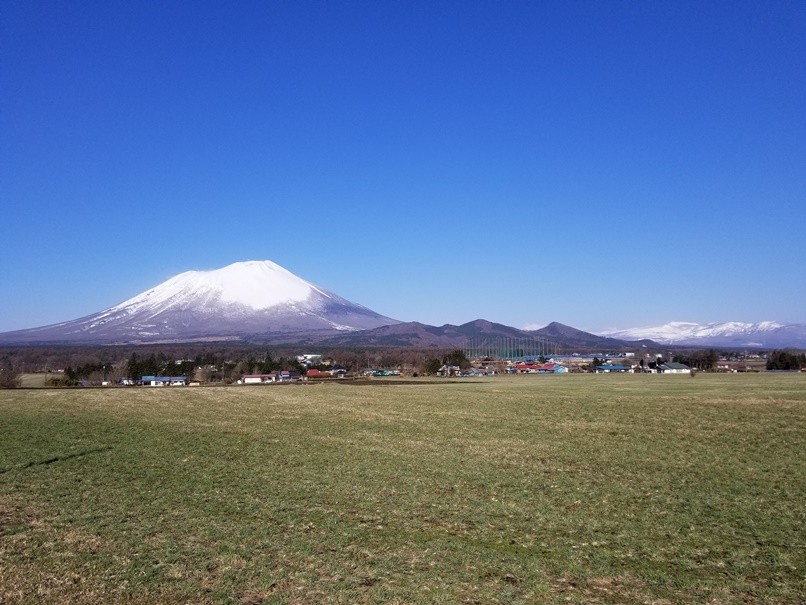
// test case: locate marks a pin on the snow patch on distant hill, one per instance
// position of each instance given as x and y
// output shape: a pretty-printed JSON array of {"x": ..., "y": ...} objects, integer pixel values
[{"x": 532, "y": 327}]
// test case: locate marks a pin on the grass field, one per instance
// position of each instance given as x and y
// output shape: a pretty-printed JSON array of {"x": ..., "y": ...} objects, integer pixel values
[
  {"x": 515, "y": 489},
  {"x": 33, "y": 381}
]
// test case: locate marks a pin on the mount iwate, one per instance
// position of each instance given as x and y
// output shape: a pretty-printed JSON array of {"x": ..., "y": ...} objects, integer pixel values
[{"x": 254, "y": 300}]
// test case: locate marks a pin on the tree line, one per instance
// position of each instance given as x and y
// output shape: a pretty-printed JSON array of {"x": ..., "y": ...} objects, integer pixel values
[
  {"x": 227, "y": 363},
  {"x": 70, "y": 366},
  {"x": 700, "y": 360},
  {"x": 786, "y": 360}
]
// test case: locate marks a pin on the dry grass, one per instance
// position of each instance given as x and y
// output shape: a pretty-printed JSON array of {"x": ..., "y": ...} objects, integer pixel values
[{"x": 581, "y": 489}]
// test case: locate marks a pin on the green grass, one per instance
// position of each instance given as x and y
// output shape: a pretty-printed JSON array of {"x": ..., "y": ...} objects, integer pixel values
[{"x": 523, "y": 489}]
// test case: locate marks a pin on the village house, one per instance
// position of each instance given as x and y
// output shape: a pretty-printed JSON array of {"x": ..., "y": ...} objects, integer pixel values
[
  {"x": 449, "y": 370},
  {"x": 533, "y": 367},
  {"x": 386, "y": 372},
  {"x": 309, "y": 359},
  {"x": 289, "y": 376},
  {"x": 606, "y": 369},
  {"x": 258, "y": 378},
  {"x": 481, "y": 371},
  {"x": 317, "y": 374},
  {"x": 671, "y": 367}
]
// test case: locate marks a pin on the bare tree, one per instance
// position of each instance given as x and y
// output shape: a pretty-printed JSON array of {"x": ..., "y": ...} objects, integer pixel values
[
  {"x": 203, "y": 373},
  {"x": 9, "y": 374}
]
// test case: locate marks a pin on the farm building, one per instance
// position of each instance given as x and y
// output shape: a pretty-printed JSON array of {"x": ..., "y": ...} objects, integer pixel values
[
  {"x": 309, "y": 359},
  {"x": 674, "y": 368},
  {"x": 609, "y": 369},
  {"x": 163, "y": 381},
  {"x": 481, "y": 371},
  {"x": 289, "y": 376},
  {"x": 258, "y": 378},
  {"x": 449, "y": 370},
  {"x": 531, "y": 367},
  {"x": 386, "y": 372}
]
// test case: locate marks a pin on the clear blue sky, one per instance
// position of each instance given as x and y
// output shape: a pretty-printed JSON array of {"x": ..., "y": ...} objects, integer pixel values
[{"x": 602, "y": 164}]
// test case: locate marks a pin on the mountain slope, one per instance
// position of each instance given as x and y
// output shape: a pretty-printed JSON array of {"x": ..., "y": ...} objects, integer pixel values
[
  {"x": 571, "y": 337},
  {"x": 416, "y": 334},
  {"x": 243, "y": 301}
]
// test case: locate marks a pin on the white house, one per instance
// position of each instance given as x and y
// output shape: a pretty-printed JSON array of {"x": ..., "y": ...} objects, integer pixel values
[
  {"x": 258, "y": 378},
  {"x": 606, "y": 369},
  {"x": 309, "y": 359}
]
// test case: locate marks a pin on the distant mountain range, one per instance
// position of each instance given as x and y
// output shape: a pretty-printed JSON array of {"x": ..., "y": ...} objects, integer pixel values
[
  {"x": 415, "y": 334},
  {"x": 261, "y": 302},
  {"x": 766, "y": 334}
]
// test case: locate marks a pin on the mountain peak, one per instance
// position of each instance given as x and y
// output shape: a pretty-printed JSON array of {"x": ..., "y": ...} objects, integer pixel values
[
  {"x": 256, "y": 285},
  {"x": 244, "y": 300}
]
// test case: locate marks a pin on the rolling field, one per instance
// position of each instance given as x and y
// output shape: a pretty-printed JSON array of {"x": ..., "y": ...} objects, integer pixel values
[{"x": 514, "y": 489}]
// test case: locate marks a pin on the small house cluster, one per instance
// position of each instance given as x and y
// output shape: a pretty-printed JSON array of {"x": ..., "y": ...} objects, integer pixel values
[
  {"x": 662, "y": 368},
  {"x": 315, "y": 368},
  {"x": 475, "y": 370},
  {"x": 384, "y": 372},
  {"x": 283, "y": 376},
  {"x": 164, "y": 381},
  {"x": 331, "y": 372},
  {"x": 533, "y": 367}
]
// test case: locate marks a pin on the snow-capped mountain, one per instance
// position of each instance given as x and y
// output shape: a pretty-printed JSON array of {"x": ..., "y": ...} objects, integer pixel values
[
  {"x": 247, "y": 300},
  {"x": 765, "y": 334}
]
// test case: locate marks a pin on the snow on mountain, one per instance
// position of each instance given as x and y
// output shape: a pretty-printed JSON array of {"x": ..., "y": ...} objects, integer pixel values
[
  {"x": 765, "y": 334},
  {"x": 246, "y": 300},
  {"x": 256, "y": 285}
]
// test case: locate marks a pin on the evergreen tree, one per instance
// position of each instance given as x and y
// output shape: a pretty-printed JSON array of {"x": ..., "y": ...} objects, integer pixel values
[
  {"x": 785, "y": 360},
  {"x": 457, "y": 357},
  {"x": 432, "y": 365}
]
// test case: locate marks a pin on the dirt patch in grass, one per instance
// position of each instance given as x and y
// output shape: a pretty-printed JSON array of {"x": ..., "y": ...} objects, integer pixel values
[{"x": 604, "y": 590}]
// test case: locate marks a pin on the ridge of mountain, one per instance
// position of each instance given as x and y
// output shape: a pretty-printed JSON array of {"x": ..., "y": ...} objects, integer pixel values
[
  {"x": 578, "y": 338},
  {"x": 417, "y": 335}
]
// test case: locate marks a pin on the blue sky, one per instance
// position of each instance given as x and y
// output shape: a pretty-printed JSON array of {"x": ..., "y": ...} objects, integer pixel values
[{"x": 602, "y": 164}]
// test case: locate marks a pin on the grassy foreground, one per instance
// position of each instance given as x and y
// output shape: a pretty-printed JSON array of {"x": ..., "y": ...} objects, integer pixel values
[{"x": 524, "y": 489}]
